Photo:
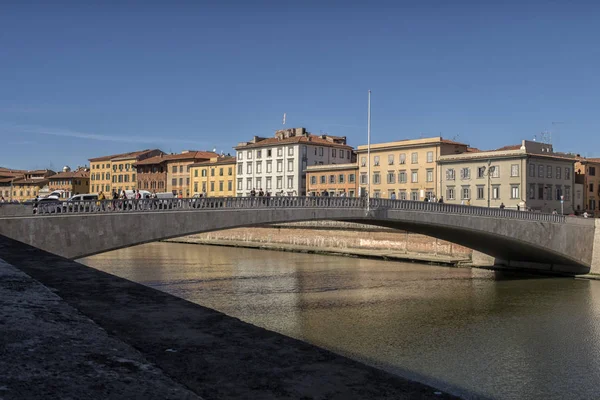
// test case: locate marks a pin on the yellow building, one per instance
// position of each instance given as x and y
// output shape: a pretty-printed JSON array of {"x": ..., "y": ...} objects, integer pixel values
[
  {"x": 406, "y": 169},
  {"x": 214, "y": 178},
  {"x": 7, "y": 177},
  {"x": 70, "y": 182},
  {"x": 178, "y": 170},
  {"x": 30, "y": 185},
  {"x": 116, "y": 172}
]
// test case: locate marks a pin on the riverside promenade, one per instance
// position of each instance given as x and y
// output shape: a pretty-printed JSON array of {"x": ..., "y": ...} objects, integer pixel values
[{"x": 70, "y": 331}]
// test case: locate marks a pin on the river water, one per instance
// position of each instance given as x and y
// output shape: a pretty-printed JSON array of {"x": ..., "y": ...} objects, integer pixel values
[{"x": 474, "y": 333}]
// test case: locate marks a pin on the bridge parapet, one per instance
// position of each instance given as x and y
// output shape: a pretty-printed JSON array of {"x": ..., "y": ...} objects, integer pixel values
[{"x": 276, "y": 202}]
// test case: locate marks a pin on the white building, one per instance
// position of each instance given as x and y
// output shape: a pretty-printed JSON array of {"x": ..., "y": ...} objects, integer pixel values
[{"x": 278, "y": 164}]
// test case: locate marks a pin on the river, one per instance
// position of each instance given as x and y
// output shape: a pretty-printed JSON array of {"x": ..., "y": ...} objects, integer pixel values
[{"x": 474, "y": 333}]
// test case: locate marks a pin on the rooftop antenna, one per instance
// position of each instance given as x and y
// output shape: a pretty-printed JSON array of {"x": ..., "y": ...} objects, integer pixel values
[
  {"x": 546, "y": 137},
  {"x": 455, "y": 137}
]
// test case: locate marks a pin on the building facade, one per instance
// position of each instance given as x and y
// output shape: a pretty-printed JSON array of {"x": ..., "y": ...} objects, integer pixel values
[
  {"x": 335, "y": 179},
  {"x": 588, "y": 174},
  {"x": 152, "y": 174},
  {"x": 278, "y": 165},
  {"x": 116, "y": 172},
  {"x": 527, "y": 176},
  {"x": 7, "y": 177},
  {"x": 214, "y": 178},
  {"x": 406, "y": 169},
  {"x": 178, "y": 170},
  {"x": 70, "y": 182},
  {"x": 30, "y": 184}
]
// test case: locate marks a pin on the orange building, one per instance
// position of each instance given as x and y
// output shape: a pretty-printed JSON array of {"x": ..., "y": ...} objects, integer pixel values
[{"x": 335, "y": 179}]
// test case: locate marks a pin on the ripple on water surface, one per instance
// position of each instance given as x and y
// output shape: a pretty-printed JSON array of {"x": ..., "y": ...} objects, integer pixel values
[{"x": 474, "y": 332}]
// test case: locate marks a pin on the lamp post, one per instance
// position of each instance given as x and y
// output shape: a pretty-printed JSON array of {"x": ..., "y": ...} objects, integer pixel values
[
  {"x": 369, "y": 152},
  {"x": 490, "y": 170}
]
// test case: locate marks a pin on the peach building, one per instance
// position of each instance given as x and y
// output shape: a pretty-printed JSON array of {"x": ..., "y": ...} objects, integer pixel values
[{"x": 335, "y": 179}]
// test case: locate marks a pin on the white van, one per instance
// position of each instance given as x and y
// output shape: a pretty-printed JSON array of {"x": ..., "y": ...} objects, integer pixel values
[
  {"x": 84, "y": 197},
  {"x": 131, "y": 194}
]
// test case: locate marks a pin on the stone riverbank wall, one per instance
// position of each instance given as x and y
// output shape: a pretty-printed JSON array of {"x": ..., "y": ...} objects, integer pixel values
[{"x": 338, "y": 237}]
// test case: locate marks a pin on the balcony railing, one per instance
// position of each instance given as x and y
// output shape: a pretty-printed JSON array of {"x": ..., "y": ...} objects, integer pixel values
[{"x": 240, "y": 203}]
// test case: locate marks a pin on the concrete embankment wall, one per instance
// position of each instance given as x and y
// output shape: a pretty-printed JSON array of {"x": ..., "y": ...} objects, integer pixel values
[{"x": 342, "y": 237}]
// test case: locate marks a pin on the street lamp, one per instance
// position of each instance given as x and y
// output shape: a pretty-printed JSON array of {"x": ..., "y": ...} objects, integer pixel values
[
  {"x": 369, "y": 152},
  {"x": 490, "y": 170}
]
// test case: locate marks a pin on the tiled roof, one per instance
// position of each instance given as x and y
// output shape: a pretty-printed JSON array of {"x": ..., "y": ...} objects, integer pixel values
[
  {"x": 192, "y": 155},
  {"x": 511, "y": 147},
  {"x": 591, "y": 160},
  {"x": 70, "y": 174},
  {"x": 448, "y": 141},
  {"x": 132, "y": 154},
  {"x": 311, "y": 139},
  {"x": 28, "y": 181},
  {"x": 429, "y": 141},
  {"x": 135, "y": 154},
  {"x": 221, "y": 160},
  {"x": 331, "y": 167}
]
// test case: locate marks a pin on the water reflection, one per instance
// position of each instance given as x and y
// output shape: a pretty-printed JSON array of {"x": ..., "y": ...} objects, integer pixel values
[{"x": 475, "y": 332}]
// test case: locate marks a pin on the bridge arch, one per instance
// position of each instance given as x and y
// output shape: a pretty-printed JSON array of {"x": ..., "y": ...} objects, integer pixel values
[{"x": 516, "y": 237}]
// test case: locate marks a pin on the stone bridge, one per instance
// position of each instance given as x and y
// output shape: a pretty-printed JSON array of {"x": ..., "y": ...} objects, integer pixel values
[{"x": 517, "y": 239}]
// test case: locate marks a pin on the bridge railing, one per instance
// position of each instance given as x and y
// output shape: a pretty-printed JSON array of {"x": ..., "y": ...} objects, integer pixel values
[{"x": 152, "y": 205}]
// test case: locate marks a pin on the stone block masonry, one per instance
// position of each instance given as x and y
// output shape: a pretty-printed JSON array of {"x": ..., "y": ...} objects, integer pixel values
[{"x": 338, "y": 235}]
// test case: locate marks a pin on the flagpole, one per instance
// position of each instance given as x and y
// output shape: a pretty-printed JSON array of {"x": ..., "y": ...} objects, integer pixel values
[{"x": 369, "y": 153}]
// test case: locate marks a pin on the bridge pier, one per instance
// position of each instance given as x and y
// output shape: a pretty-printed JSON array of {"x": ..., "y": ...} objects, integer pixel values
[{"x": 479, "y": 259}]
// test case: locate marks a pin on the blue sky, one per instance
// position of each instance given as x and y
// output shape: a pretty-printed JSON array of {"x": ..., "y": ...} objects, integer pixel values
[{"x": 80, "y": 81}]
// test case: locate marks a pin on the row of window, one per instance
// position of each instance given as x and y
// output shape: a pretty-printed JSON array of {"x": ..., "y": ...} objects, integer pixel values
[
  {"x": 106, "y": 176},
  {"x": 154, "y": 185},
  {"x": 22, "y": 193},
  {"x": 257, "y": 183},
  {"x": 335, "y": 153},
  {"x": 414, "y": 159},
  {"x": 546, "y": 170},
  {"x": 549, "y": 192},
  {"x": 341, "y": 178},
  {"x": 122, "y": 178},
  {"x": 174, "y": 181},
  {"x": 269, "y": 166},
  {"x": 212, "y": 186},
  {"x": 536, "y": 191},
  {"x": 69, "y": 182},
  {"x": 100, "y": 166},
  {"x": 212, "y": 172},
  {"x": 148, "y": 169},
  {"x": 402, "y": 177},
  {"x": 98, "y": 188},
  {"x": 120, "y": 167}
]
